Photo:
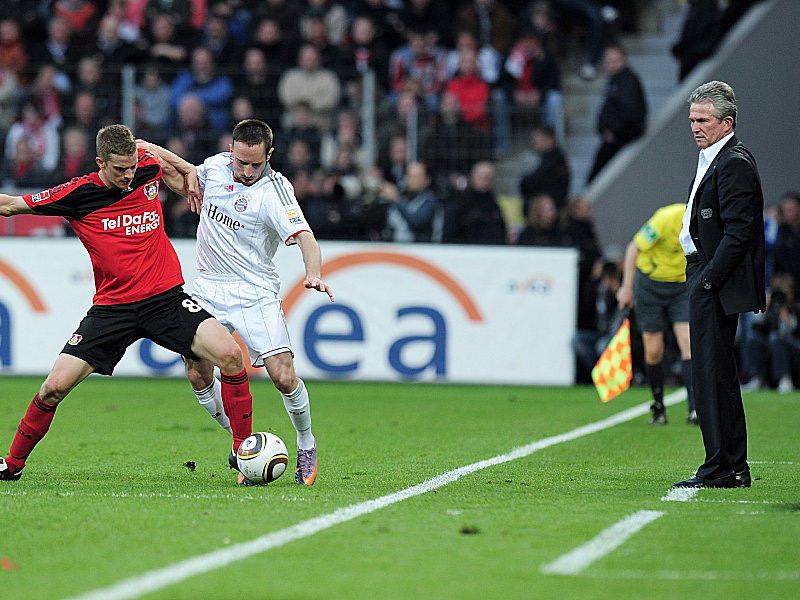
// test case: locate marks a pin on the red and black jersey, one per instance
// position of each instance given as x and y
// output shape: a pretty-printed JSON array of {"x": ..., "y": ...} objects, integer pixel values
[{"x": 123, "y": 231}]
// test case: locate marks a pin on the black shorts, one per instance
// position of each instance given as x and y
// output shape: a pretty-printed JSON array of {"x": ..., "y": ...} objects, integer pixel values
[
  {"x": 659, "y": 304},
  {"x": 170, "y": 319}
]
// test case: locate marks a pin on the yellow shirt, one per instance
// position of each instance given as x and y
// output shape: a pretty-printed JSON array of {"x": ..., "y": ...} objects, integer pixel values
[{"x": 661, "y": 257}]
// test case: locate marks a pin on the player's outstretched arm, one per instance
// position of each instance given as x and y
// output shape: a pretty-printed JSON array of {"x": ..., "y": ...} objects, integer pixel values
[
  {"x": 312, "y": 259},
  {"x": 13, "y": 205},
  {"x": 179, "y": 174}
]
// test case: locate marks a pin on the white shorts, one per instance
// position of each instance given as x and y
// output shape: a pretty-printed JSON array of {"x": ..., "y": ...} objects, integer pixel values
[{"x": 252, "y": 312}]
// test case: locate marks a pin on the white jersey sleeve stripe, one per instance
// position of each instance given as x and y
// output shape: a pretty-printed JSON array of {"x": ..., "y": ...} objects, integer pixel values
[{"x": 283, "y": 194}]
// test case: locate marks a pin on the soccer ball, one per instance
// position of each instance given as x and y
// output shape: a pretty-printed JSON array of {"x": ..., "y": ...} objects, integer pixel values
[{"x": 262, "y": 457}]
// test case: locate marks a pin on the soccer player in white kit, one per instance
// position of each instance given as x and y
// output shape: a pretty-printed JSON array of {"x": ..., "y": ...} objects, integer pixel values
[{"x": 247, "y": 209}]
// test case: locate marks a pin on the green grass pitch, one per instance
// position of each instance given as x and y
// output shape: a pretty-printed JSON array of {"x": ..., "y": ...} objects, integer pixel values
[{"x": 107, "y": 496}]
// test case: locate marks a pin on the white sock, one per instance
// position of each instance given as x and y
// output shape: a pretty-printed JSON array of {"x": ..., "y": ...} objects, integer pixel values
[
  {"x": 211, "y": 399},
  {"x": 299, "y": 409}
]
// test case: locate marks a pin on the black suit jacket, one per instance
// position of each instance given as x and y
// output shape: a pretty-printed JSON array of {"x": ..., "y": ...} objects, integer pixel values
[{"x": 727, "y": 227}]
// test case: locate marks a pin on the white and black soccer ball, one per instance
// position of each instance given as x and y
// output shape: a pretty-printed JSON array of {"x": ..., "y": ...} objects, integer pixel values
[{"x": 262, "y": 457}]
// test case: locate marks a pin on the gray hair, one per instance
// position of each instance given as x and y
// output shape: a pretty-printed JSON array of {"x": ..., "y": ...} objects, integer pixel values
[{"x": 720, "y": 94}]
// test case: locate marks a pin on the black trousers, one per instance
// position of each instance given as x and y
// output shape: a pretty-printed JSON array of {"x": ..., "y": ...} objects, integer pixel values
[{"x": 717, "y": 395}]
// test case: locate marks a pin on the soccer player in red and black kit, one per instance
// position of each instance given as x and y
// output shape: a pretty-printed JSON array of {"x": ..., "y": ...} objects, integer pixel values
[{"x": 117, "y": 215}]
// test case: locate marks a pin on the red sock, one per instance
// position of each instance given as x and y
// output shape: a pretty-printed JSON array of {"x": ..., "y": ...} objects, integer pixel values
[
  {"x": 31, "y": 429},
  {"x": 238, "y": 404}
]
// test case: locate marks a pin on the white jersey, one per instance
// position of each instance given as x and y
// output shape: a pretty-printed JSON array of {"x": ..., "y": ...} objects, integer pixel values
[{"x": 241, "y": 226}]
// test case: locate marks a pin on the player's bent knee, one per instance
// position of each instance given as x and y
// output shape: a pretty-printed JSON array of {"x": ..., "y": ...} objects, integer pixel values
[
  {"x": 53, "y": 391},
  {"x": 230, "y": 359}
]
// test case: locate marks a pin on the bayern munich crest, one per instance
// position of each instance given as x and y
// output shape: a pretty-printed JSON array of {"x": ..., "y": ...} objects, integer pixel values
[{"x": 240, "y": 204}]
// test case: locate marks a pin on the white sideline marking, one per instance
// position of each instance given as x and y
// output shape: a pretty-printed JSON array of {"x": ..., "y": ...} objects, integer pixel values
[
  {"x": 606, "y": 541},
  {"x": 680, "y": 494},
  {"x": 158, "y": 579}
]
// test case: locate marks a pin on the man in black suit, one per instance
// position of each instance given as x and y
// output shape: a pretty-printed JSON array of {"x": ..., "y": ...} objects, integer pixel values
[{"x": 723, "y": 238}]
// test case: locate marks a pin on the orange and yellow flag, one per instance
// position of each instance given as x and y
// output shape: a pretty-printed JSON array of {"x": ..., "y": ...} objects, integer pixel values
[{"x": 613, "y": 372}]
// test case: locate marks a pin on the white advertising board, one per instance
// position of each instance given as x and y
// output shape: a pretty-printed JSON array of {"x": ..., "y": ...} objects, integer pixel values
[{"x": 467, "y": 314}]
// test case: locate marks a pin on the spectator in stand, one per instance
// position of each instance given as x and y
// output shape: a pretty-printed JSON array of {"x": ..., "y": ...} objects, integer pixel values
[
  {"x": 313, "y": 84},
  {"x": 287, "y": 15},
  {"x": 767, "y": 349},
  {"x": 394, "y": 120},
  {"x": 193, "y": 129},
  {"x": 422, "y": 61},
  {"x": 165, "y": 48},
  {"x": 9, "y": 92},
  {"x": 316, "y": 34},
  {"x": 345, "y": 137},
  {"x": 299, "y": 157},
  {"x": 786, "y": 257},
  {"x": 706, "y": 23},
  {"x": 49, "y": 88},
  {"x": 536, "y": 81},
  {"x": 111, "y": 49},
  {"x": 540, "y": 17},
  {"x": 451, "y": 146},
  {"x": 413, "y": 213},
  {"x": 129, "y": 18},
  {"x": 301, "y": 126},
  {"x": 13, "y": 54},
  {"x": 84, "y": 114},
  {"x": 42, "y": 133},
  {"x": 28, "y": 15},
  {"x": 623, "y": 116},
  {"x": 393, "y": 165},
  {"x": 600, "y": 19},
  {"x": 241, "y": 109},
  {"x": 216, "y": 37},
  {"x": 77, "y": 157},
  {"x": 783, "y": 334},
  {"x": 699, "y": 34},
  {"x": 543, "y": 226},
  {"x": 213, "y": 88},
  {"x": 92, "y": 78},
  {"x": 82, "y": 16},
  {"x": 179, "y": 13},
  {"x": 490, "y": 66},
  {"x": 279, "y": 49},
  {"x": 257, "y": 84},
  {"x": 550, "y": 175},
  {"x": 471, "y": 90},
  {"x": 417, "y": 15},
  {"x": 364, "y": 52},
  {"x": 333, "y": 18},
  {"x": 386, "y": 16},
  {"x": 22, "y": 169},
  {"x": 58, "y": 48},
  {"x": 152, "y": 105},
  {"x": 490, "y": 21},
  {"x": 472, "y": 216},
  {"x": 179, "y": 220}
]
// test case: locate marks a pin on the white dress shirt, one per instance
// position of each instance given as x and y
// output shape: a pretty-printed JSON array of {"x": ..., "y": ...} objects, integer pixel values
[{"x": 706, "y": 157}]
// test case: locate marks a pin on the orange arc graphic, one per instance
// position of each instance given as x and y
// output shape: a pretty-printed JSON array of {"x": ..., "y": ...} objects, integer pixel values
[
  {"x": 350, "y": 260},
  {"x": 26, "y": 288}
]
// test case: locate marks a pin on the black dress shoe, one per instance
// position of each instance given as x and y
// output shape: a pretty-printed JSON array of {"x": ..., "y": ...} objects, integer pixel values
[
  {"x": 742, "y": 478},
  {"x": 728, "y": 481}
]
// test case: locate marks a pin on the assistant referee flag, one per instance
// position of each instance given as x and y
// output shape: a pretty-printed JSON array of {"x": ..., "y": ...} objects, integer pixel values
[{"x": 613, "y": 372}]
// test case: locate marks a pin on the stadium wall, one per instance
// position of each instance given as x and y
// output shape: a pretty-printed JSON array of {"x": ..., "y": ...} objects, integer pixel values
[{"x": 460, "y": 314}]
